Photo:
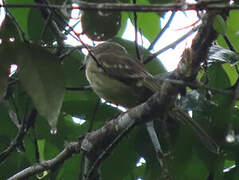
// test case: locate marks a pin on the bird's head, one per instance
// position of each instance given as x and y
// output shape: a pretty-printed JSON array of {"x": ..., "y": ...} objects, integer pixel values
[{"x": 108, "y": 47}]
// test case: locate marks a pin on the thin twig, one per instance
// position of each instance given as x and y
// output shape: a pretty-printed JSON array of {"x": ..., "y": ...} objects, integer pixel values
[
  {"x": 236, "y": 86},
  {"x": 14, "y": 143},
  {"x": 50, "y": 164},
  {"x": 21, "y": 32},
  {"x": 162, "y": 31},
  {"x": 71, "y": 50},
  {"x": 83, "y": 88},
  {"x": 93, "y": 115},
  {"x": 109, "y": 148},
  {"x": 172, "y": 45},
  {"x": 88, "y": 48},
  {"x": 136, "y": 33},
  {"x": 229, "y": 44},
  {"x": 37, "y": 152},
  {"x": 81, "y": 172},
  {"x": 202, "y": 5},
  {"x": 43, "y": 31},
  {"x": 62, "y": 20},
  {"x": 20, "y": 135},
  {"x": 47, "y": 13},
  {"x": 196, "y": 85}
]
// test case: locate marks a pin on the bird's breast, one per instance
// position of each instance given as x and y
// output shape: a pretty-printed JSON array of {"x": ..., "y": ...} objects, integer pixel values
[{"x": 110, "y": 89}]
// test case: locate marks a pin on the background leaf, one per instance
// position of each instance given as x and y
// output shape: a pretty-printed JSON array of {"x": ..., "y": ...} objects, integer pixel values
[
  {"x": 41, "y": 76},
  {"x": 232, "y": 31},
  {"x": 4, "y": 71},
  {"x": 224, "y": 55},
  {"x": 101, "y": 25},
  {"x": 39, "y": 31},
  {"x": 219, "y": 25},
  {"x": 148, "y": 23},
  {"x": 20, "y": 14}
]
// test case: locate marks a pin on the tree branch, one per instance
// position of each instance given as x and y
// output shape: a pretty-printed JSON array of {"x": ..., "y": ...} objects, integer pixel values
[
  {"x": 70, "y": 149},
  {"x": 26, "y": 124},
  {"x": 93, "y": 143},
  {"x": 202, "y": 5},
  {"x": 136, "y": 33},
  {"x": 192, "y": 58}
]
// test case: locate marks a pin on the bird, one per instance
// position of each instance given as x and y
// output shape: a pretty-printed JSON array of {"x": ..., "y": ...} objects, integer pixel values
[{"x": 120, "y": 78}]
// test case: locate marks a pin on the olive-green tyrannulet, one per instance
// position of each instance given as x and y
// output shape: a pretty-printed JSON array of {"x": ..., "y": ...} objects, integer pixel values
[{"x": 118, "y": 77}]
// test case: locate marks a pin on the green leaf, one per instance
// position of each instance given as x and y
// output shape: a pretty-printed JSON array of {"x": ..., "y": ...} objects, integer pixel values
[
  {"x": 41, "y": 147},
  {"x": 59, "y": 2},
  {"x": 150, "y": 30},
  {"x": 17, "y": 162},
  {"x": 221, "y": 114},
  {"x": 20, "y": 14},
  {"x": 139, "y": 171},
  {"x": 160, "y": 1},
  {"x": 9, "y": 41},
  {"x": 123, "y": 157},
  {"x": 182, "y": 152},
  {"x": 8, "y": 30},
  {"x": 101, "y": 25},
  {"x": 217, "y": 76},
  {"x": 83, "y": 104},
  {"x": 231, "y": 72},
  {"x": 124, "y": 1},
  {"x": 232, "y": 30},
  {"x": 144, "y": 148},
  {"x": 218, "y": 53},
  {"x": 232, "y": 174},
  {"x": 74, "y": 75},
  {"x": 42, "y": 78},
  {"x": 4, "y": 71},
  {"x": 79, "y": 103},
  {"x": 7, "y": 128},
  {"x": 124, "y": 20},
  {"x": 51, "y": 150},
  {"x": 38, "y": 28},
  {"x": 70, "y": 169},
  {"x": 29, "y": 149},
  {"x": 148, "y": 23},
  {"x": 219, "y": 25},
  {"x": 192, "y": 169},
  {"x": 229, "y": 163},
  {"x": 70, "y": 129}
]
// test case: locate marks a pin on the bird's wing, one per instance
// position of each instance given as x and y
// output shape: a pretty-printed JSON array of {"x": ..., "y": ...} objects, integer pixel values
[
  {"x": 127, "y": 69},
  {"x": 121, "y": 65}
]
